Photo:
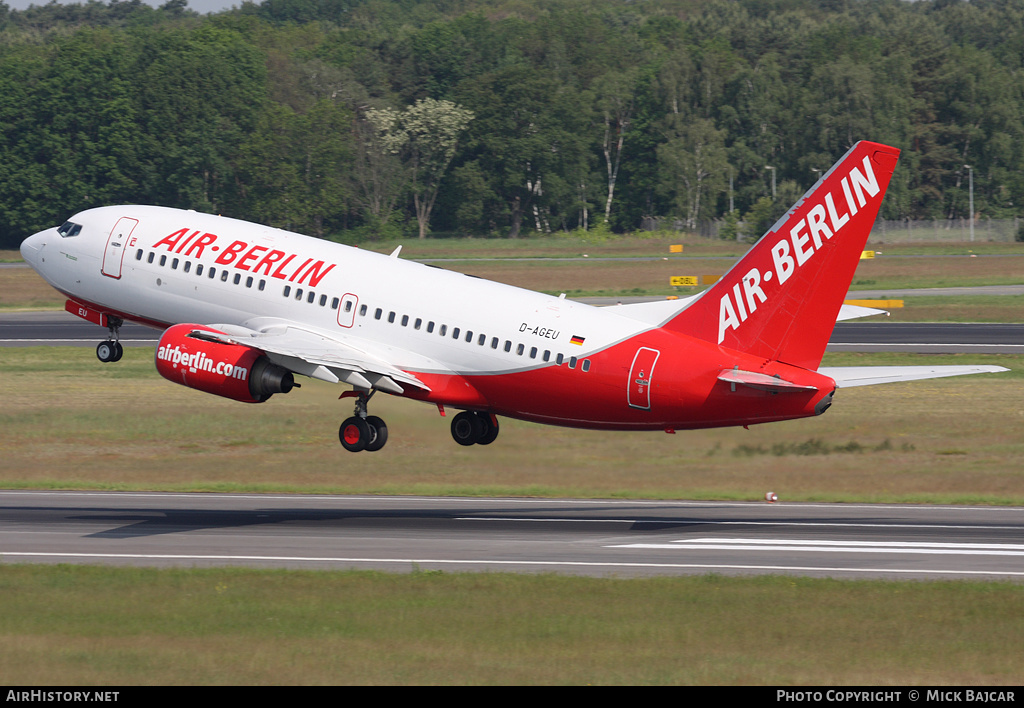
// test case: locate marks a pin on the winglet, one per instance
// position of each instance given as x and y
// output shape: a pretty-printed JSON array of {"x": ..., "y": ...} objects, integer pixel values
[{"x": 781, "y": 300}]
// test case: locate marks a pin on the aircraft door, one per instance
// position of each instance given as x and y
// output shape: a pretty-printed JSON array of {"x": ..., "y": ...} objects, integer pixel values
[
  {"x": 638, "y": 392},
  {"x": 117, "y": 242},
  {"x": 347, "y": 310}
]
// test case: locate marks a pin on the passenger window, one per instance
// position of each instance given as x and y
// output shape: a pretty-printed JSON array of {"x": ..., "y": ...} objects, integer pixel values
[
  {"x": 405, "y": 320},
  {"x": 572, "y": 362},
  {"x": 533, "y": 352},
  {"x": 138, "y": 255},
  {"x": 151, "y": 256},
  {"x": 199, "y": 269},
  {"x": 263, "y": 284},
  {"x": 508, "y": 346},
  {"x": 174, "y": 264},
  {"x": 547, "y": 355},
  {"x": 287, "y": 290},
  {"x": 430, "y": 327},
  {"x": 212, "y": 272},
  {"x": 163, "y": 261},
  {"x": 560, "y": 358},
  {"x": 482, "y": 339},
  {"x": 444, "y": 330},
  {"x": 237, "y": 279},
  {"x": 586, "y": 365},
  {"x": 377, "y": 313},
  {"x": 455, "y": 332},
  {"x": 494, "y": 343},
  {"x": 298, "y": 293},
  {"x": 187, "y": 267},
  {"x": 391, "y": 317},
  {"x": 248, "y": 282},
  {"x": 520, "y": 349},
  {"x": 223, "y": 276},
  {"x": 362, "y": 310},
  {"x": 418, "y": 323}
]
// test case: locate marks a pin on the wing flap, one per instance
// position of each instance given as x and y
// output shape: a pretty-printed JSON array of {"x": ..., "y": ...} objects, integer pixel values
[{"x": 317, "y": 356}]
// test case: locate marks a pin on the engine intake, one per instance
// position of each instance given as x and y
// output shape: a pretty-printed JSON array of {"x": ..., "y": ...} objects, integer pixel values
[{"x": 230, "y": 370}]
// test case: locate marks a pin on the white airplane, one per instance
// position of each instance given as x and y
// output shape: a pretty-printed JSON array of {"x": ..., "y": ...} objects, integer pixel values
[{"x": 247, "y": 307}]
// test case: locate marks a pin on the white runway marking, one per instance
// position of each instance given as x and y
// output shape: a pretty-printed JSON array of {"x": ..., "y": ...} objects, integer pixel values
[
  {"x": 821, "y": 546},
  {"x": 703, "y": 522},
  {"x": 84, "y": 341}
]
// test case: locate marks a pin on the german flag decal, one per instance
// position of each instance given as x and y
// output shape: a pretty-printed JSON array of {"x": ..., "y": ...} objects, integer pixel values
[{"x": 576, "y": 339}]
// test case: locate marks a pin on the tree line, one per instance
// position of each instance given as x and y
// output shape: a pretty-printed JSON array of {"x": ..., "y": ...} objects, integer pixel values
[{"x": 363, "y": 119}]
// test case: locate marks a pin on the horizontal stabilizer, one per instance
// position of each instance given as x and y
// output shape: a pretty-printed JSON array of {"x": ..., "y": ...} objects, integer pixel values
[
  {"x": 849, "y": 376},
  {"x": 853, "y": 312},
  {"x": 763, "y": 382}
]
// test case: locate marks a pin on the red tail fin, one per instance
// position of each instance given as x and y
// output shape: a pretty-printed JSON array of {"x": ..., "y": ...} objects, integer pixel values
[{"x": 781, "y": 300}]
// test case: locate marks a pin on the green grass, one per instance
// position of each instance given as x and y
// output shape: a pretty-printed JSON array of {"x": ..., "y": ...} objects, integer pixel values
[
  {"x": 104, "y": 626},
  {"x": 70, "y": 422}
]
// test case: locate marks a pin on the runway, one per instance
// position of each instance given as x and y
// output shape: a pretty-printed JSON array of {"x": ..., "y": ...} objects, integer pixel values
[
  {"x": 567, "y": 536},
  {"x": 26, "y": 329}
]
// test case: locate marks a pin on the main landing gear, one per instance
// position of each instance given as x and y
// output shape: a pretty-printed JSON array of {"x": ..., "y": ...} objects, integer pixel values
[
  {"x": 111, "y": 350},
  {"x": 368, "y": 432},
  {"x": 362, "y": 431},
  {"x": 473, "y": 428}
]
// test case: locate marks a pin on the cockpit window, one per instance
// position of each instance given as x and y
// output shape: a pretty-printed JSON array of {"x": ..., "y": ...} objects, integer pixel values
[{"x": 69, "y": 229}]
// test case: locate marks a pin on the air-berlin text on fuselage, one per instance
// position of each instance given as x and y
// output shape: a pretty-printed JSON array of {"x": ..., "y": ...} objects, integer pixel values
[
  {"x": 191, "y": 243},
  {"x": 198, "y": 361},
  {"x": 823, "y": 221}
]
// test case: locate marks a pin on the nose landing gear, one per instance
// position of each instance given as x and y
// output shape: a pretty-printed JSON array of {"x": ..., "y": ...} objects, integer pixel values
[
  {"x": 361, "y": 431},
  {"x": 111, "y": 350}
]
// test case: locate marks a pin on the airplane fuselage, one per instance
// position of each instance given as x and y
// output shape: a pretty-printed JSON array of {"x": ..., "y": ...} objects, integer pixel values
[{"x": 476, "y": 344}]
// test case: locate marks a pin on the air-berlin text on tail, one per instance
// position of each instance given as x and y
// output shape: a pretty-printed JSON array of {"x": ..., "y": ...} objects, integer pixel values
[
  {"x": 198, "y": 361},
  {"x": 823, "y": 221},
  {"x": 191, "y": 243}
]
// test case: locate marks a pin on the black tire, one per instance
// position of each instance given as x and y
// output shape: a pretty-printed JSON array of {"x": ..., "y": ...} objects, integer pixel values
[
  {"x": 467, "y": 428},
  {"x": 118, "y": 351},
  {"x": 105, "y": 352},
  {"x": 379, "y": 433},
  {"x": 490, "y": 426},
  {"x": 354, "y": 434}
]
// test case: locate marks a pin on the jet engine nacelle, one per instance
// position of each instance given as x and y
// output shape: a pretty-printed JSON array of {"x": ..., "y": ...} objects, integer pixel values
[{"x": 229, "y": 370}]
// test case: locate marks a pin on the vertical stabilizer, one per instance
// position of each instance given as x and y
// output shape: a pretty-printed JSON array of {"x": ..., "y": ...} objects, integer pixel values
[{"x": 781, "y": 300}]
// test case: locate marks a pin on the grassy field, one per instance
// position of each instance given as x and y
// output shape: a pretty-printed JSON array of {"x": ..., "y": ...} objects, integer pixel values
[
  {"x": 69, "y": 422},
  {"x": 121, "y": 627}
]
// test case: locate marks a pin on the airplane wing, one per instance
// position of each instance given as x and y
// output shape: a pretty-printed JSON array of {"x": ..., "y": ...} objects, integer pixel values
[
  {"x": 317, "y": 356},
  {"x": 849, "y": 376}
]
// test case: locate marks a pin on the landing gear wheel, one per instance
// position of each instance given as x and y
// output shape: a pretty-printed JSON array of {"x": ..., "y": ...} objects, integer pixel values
[
  {"x": 379, "y": 431},
  {"x": 467, "y": 428},
  {"x": 109, "y": 351},
  {"x": 355, "y": 434},
  {"x": 490, "y": 429}
]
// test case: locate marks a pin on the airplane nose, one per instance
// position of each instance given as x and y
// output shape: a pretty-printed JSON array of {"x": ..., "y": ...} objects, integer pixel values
[{"x": 31, "y": 247}]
